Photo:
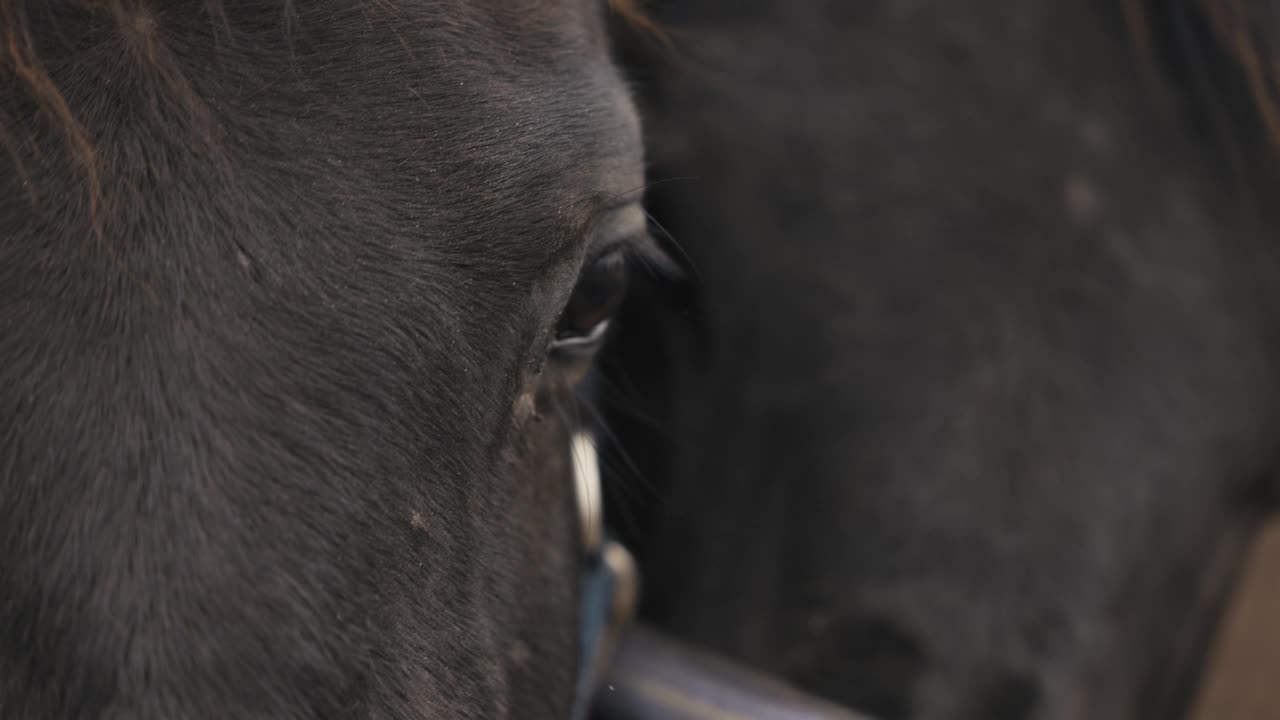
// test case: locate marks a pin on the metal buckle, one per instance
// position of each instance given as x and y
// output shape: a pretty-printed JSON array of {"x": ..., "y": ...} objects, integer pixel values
[
  {"x": 654, "y": 677},
  {"x": 610, "y": 582}
]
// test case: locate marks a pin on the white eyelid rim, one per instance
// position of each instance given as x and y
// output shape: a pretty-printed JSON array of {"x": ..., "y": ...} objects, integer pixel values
[{"x": 582, "y": 341}]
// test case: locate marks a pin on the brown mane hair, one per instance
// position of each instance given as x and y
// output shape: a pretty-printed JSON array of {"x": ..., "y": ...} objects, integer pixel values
[
  {"x": 43, "y": 112},
  {"x": 1249, "y": 31},
  {"x": 23, "y": 72},
  {"x": 633, "y": 14}
]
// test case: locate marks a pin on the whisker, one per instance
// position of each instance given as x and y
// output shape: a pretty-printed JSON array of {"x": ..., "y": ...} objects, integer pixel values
[
  {"x": 688, "y": 260},
  {"x": 628, "y": 492},
  {"x": 637, "y": 475},
  {"x": 651, "y": 184},
  {"x": 626, "y": 405},
  {"x": 626, "y": 519},
  {"x": 568, "y": 413}
]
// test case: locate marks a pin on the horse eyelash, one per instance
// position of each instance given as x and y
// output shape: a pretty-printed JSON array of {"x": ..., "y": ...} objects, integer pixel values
[{"x": 640, "y": 249}]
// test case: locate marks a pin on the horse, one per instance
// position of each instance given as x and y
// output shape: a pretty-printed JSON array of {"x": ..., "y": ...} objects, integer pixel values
[
  {"x": 293, "y": 301},
  {"x": 968, "y": 406}
]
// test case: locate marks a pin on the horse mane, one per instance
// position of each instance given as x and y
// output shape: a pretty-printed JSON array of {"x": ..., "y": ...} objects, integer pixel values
[
  {"x": 1249, "y": 30},
  {"x": 636, "y": 19},
  {"x": 41, "y": 127},
  {"x": 22, "y": 73},
  {"x": 1225, "y": 55}
]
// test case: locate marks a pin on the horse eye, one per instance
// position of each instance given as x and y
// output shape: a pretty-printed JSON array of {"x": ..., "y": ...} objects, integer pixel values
[{"x": 599, "y": 292}]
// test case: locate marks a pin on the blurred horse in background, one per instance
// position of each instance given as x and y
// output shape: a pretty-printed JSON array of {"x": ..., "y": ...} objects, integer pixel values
[{"x": 969, "y": 409}]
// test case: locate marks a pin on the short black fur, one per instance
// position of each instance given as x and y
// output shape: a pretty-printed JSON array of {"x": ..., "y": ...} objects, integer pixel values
[{"x": 276, "y": 285}]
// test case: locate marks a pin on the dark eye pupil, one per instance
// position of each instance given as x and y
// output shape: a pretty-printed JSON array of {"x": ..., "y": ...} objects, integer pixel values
[{"x": 596, "y": 297}]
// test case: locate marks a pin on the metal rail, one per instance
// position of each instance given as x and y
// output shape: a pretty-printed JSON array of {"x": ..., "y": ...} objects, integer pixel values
[{"x": 654, "y": 677}]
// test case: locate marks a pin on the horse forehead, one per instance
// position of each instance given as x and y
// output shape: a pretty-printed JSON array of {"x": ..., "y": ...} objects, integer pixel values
[
  {"x": 524, "y": 79},
  {"x": 479, "y": 123}
]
